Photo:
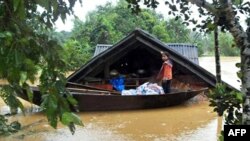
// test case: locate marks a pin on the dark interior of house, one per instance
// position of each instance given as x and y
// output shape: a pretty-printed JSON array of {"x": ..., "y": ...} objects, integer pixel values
[{"x": 138, "y": 63}]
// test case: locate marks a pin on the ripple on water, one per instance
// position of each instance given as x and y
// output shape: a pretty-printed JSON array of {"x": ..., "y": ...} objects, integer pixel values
[{"x": 87, "y": 133}]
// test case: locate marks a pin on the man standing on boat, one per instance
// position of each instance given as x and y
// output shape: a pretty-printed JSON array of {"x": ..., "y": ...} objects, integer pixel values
[{"x": 165, "y": 74}]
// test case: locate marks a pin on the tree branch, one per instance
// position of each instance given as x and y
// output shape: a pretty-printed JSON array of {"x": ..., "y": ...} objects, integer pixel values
[
  {"x": 230, "y": 18},
  {"x": 202, "y": 3}
]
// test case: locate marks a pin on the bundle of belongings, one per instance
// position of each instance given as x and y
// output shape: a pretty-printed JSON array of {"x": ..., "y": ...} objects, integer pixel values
[{"x": 145, "y": 89}]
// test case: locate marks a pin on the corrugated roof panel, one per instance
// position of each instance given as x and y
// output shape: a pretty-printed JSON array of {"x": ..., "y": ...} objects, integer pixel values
[
  {"x": 101, "y": 48},
  {"x": 187, "y": 50}
]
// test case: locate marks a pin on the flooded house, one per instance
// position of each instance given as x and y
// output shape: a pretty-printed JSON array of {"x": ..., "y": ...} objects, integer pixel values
[
  {"x": 134, "y": 62},
  {"x": 137, "y": 58}
]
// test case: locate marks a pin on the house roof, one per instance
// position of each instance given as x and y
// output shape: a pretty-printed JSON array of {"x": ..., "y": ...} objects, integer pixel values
[
  {"x": 187, "y": 50},
  {"x": 136, "y": 37}
]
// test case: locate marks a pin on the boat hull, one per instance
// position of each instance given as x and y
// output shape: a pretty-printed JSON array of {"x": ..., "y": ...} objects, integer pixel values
[
  {"x": 101, "y": 102},
  {"x": 114, "y": 102}
]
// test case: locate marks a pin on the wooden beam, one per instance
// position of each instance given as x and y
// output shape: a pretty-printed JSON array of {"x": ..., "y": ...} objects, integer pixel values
[
  {"x": 90, "y": 91},
  {"x": 107, "y": 70}
]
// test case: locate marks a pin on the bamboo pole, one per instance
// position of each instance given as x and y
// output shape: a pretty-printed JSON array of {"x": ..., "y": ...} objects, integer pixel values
[{"x": 92, "y": 91}]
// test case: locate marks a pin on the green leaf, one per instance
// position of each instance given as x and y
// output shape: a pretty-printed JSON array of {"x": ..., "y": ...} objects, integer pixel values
[
  {"x": 239, "y": 96},
  {"x": 237, "y": 2},
  {"x": 71, "y": 100},
  {"x": 5, "y": 34},
  {"x": 29, "y": 92},
  {"x": 17, "y": 58},
  {"x": 68, "y": 118},
  {"x": 52, "y": 118},
  {"x": 16, "y": 4},
  {"x": 49, "y": 104},
  {"x": 211, "y": 26},
  {"x": 52, "y": 103},
  {"x": 239, "y": 74},
  {"x": 238, "y": 65},
  {"x": 23, "y": 78},
  {"x": 20, "y": 11}
]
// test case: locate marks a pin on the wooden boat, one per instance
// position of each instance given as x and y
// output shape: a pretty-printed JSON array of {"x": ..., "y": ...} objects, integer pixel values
[
  {"x": 96, "y": 99},
  {"x": 96, "y": 102}
]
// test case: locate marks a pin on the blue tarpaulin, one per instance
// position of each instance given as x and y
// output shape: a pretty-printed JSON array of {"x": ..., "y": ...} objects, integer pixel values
[{"x": 118, "y": 83}]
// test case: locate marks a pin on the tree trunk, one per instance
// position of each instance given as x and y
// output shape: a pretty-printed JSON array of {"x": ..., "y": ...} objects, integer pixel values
[
  {"x": 242, "y": 40},
  {"x": 245, "y": 68},
  {"x": 217, "y": 55}
]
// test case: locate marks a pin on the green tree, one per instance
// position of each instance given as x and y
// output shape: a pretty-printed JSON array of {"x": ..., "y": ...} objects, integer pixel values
[
  {"x": 26, "y": 48},
  {"x": 78, "y": 53},
  {"x": 178, "y": 32},
  {"x": 61, "y": 36},
  {"x": 110, "y": 23},
  {"x": 227, "y": 44}
]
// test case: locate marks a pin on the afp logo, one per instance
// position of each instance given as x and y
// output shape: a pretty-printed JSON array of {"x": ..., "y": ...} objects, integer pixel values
[{"x": 236, "y": 132}]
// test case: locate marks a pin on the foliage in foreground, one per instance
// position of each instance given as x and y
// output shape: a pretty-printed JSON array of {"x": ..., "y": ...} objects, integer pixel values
[
  {"x": 7, "y": 129},
  {"x": 27, "y": 50},
  {"x": 227, "y": 103}
]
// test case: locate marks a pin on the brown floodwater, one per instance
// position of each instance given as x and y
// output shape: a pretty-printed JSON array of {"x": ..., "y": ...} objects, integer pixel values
[
  {"x": 228, "y": 68},
  {"x": 191, "y": 121}
]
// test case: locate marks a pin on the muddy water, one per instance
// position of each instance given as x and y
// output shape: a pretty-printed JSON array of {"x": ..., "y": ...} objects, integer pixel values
[
  {"x": 189, "y": 122},
  {"x": 228, "y": 68},
  {"x": 184, "y": 122}
]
